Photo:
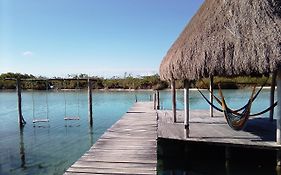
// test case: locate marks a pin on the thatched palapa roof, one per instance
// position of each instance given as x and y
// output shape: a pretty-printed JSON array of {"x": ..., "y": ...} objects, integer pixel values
[{"x": 227, "y": 38}]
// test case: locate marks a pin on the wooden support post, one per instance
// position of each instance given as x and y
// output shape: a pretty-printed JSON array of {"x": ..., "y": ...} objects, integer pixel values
[
  {"x": 186, "y": 107},
  {"x": 272, "y": 90},
  {"x": 20, "y": 117},
  {"x": 22, "y": 150},
  {"x": 278, "y": 122},
  {"x": 211, "y": 95},
  {"x": 157, "y": 100},
  {"x": 278, "y": 158},
  {"x": 227, "y": 159},
  {"x": 174, "y": 105},
  {"x": 154, "y": 100},
  {"x": 90, "y": 101}
]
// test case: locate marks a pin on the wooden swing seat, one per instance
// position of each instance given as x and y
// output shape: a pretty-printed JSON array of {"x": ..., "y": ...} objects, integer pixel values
[
  {"x": 40, "y": 120},
  {"x": 72, "y": 118}
]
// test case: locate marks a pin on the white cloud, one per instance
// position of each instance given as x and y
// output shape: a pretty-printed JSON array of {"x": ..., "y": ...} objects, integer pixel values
[{"x": 27, "y": 53}]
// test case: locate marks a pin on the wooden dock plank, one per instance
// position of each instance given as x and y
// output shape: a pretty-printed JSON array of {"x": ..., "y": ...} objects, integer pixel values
[
  {"x": 128, "y": 147},
  {"x": 259, "y": 132}
]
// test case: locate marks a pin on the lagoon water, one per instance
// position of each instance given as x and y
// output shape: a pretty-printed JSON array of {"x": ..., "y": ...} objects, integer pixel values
[{"x": 51, "y": 148}]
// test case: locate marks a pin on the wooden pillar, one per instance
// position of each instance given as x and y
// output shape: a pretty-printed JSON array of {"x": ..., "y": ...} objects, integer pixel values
[
  {"x": 272, "y": 90},
  {"x": 154, "y": 100},
  {"x": 278, "y": 158},
  {"x": 20, "y": 117},
  {"x": 157, "y": 100},
  {"x": 278, "y": 122},
  {"x": 90, "y": 101},
  {"x": 186, "y": 107},
  {"x": 174, "y": 105},
  {"x": 211, "y": 95},
  {"x": 227, "y": 159},
  {"x": 22, "y": 150}
]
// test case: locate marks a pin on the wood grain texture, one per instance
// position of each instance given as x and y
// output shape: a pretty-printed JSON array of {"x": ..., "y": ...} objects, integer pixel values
[
  {"x": 128, "y": 147},
  {"x": 258, "y": 133}
]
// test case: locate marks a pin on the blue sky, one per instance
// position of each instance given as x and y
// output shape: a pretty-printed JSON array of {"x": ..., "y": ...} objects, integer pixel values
[{"x": 96, "y": 37}]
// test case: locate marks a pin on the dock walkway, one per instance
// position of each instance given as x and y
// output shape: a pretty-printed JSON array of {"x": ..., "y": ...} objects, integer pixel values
[{"x": 128, "y": 147}]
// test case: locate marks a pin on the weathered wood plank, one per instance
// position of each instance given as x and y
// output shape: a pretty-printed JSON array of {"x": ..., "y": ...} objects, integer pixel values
[
  {"x": 110, "y": 170},
  {"x": 128, "y": 147},
  {"x": 259, "y": 132}
]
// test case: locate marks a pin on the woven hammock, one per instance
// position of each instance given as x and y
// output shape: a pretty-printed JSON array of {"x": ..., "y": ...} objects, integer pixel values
[{"x": 236, "y": 119}]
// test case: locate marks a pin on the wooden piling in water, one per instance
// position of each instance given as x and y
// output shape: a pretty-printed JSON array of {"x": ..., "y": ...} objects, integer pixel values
[
  {"x": 272, "y": 90},
  {"x": 174, "y": 105},
  {"x": 278, "y": 158},
  {"x": 157, "y": 100},
  {"x": 211, "y": 95},
  {"x": 154, "y": 100},
  {"x": 20, "y": 117},
  {"x": 186, "y": 107},
  {"x": 278, "y": 122},
  {"x": 90, "y": 101}
]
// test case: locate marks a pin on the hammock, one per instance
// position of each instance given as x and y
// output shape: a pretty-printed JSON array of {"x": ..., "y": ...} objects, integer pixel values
[
  {"x": 219, "y": 101},
  {"x": 220, "y": 110},
  {"x": 235, "y": 119}
]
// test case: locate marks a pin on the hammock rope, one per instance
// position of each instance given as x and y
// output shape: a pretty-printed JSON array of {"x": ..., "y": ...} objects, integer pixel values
[
  {"x": 237, "y": 110},
  {"x": 251, "y": 115}
]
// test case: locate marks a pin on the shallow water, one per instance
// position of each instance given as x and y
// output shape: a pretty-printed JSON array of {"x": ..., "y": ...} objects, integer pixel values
[{"x": 51, "y": 148}]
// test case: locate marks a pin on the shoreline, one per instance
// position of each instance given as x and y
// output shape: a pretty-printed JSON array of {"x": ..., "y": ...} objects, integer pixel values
[{"x": 124, "y": 90}]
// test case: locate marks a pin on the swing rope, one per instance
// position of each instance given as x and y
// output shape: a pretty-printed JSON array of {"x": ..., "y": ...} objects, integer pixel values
[
  {"x": 65, "y": 104},
  {"x": 35, "y": 120}
]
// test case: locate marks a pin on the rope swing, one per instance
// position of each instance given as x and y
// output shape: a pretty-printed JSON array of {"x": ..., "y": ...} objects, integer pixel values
[
  {"x": 36, "y": 119},
  {"x": 77, "y": 117}
]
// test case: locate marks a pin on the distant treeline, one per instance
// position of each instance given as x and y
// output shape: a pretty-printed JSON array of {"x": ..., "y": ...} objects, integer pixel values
[{"x": 126, "y": 82}]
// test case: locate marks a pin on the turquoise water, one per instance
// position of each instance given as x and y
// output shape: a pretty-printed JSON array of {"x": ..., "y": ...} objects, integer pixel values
[{"x": 51, "y": 148}]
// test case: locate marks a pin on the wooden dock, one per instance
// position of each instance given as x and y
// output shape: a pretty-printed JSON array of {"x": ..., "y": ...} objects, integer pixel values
[
  {"x": 259, "y": 132},
  {"x": 128, "y": 147}
]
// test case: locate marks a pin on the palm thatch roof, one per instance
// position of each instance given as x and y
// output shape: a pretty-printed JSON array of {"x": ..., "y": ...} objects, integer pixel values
[{"x": 227, "y": 38}]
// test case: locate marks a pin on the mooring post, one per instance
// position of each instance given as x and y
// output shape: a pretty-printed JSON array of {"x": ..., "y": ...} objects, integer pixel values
[
  {"x": 211, "y": 95},
  {"x": 272, "y": 90},
  {"x": 22, "y": 150},
  {"x": 174, "y": 105},
  {"x": 90, "y": 101},
  {"x": 20, "y": 117},
  {"x": 278, "y": 122},
  {"x": 186, "y": 107},
  {"x": 157, "y": 100}
]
